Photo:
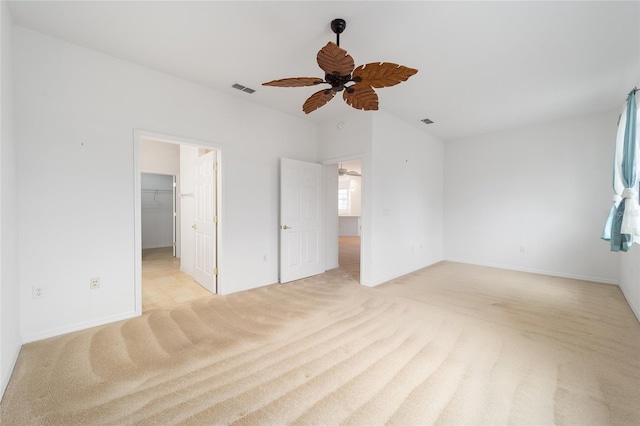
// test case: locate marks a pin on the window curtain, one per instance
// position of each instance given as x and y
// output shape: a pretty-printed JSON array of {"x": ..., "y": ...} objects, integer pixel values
[{"x": 622, "y": 227}]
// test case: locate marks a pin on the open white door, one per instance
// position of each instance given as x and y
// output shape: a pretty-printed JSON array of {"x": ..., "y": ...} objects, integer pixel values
[
  {"x": 174, "y": 224},
  {"x": 205, "y": 221},
  {"x": 301, "y": 232}
]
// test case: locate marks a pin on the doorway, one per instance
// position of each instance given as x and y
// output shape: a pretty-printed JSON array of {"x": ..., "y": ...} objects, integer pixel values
[
  {"x": 177, "y": 217},
  {"x": 350, "y": 217},
  {"x": 163, "y": 283},
  {"x": 158, "y": 211}
]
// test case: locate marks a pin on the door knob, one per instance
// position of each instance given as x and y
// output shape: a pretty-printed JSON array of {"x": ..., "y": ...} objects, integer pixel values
[
  {"x": 286, "y": 227},
  {"x": 194, "y": 226}
]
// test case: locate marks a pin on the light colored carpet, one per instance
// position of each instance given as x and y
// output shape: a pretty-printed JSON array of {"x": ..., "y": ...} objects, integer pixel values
[
  {"x": 450, "y": 344},
  {"x": 349, "y": 256}
]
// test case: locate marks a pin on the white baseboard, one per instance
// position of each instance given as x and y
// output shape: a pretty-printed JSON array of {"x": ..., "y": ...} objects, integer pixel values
[
  {"x": 7, "y": 376},
  {"x": 76, "y": 327},
  {"x": 157, "y": 246},
  {"x": 399, "y": 274},
  {"x": 634, "y": 307},
  {"x": 329, "y": 267},
  {"x": 538, "y": 271}
]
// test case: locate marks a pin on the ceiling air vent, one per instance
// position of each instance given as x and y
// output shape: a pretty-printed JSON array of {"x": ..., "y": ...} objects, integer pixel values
[
  {"x": 243, "y": 88},
  {"x": 426, "y": 121}
]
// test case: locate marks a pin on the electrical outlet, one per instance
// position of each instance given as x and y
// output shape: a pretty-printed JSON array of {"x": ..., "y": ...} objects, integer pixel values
[
  {"x": 94, "y": 283},
  {"x": 265, "y": 258},
  {"x": 37, "y": 292},
  {"x": 521, "y": 249}
]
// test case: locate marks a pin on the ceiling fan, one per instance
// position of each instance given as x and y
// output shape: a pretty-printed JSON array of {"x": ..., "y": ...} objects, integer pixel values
[
  {"x": 343, "y": 172},
  {"x": 339, "y": 70}
]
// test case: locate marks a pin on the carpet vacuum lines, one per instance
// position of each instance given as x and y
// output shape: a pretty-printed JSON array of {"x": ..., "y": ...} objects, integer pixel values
[
  {"x": 266, "y": 361},
  {"x": 448, "y": 344}
]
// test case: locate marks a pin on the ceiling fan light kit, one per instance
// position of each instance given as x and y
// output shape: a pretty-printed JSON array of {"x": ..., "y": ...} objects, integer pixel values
[
  {"x": 339, "y": 70},
  {"x": 344, "y": 172}
]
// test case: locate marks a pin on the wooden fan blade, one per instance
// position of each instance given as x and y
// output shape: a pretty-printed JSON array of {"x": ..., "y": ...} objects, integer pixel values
[
  {"x": 317, "y": 100},
  {"x": 361, "y": 96},
  {"x": 383, "y": 74},
  {"x": 295, "y": 82},
  {"x": 334, "y": 59}
]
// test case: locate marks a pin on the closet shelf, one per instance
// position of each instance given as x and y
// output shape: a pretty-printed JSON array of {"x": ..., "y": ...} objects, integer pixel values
[{"x": 158, "y": 191}]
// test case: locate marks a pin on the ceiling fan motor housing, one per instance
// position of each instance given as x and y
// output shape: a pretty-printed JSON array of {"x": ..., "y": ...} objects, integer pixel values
[{"x": 337, "y": 81}]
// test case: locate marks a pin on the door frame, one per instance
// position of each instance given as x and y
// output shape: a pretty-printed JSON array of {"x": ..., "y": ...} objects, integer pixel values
[
  {"x": 364, "y": 213},
  {"x": 138, "y": 135},
  {"x": 176, "y": 217},
  {"x": 320, "y": 225}
]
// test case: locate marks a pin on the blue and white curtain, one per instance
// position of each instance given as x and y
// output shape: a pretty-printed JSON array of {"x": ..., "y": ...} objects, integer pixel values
[{"x": 623, "y": 224}]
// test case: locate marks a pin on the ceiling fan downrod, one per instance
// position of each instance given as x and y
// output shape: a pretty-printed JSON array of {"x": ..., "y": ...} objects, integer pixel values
[{"x": 337, "y": 26}]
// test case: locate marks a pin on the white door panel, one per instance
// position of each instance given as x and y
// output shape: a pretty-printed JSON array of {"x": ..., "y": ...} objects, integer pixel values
[
  {"x": 300, "y": 219},
  {"x": 205, "y": 225},
  {"x": 174, "y": 225}
]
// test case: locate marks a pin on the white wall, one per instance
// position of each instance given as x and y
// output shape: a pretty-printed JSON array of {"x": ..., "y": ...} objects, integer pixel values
[
  {"x": 163, "y": 158},
  {"x": 10, "y": 340},
  {"x": 159, "y": 157},
  {"x": 349, "y": 226},
  {"x": 407, "y": 203},
  {"x": 76, "y": 111},
  {"x": 629, "y": 261},
  {"x": 356, "y": 195},
  {"x": 402, "y": 200},
  {"x": 331, "y": 242},
  {"x": 336, "y": 143},
  {"x": 354, "y": 185},
  {"x": 351, "y": 140},
  {"x": 630, "y": 277},
  {"x": 545, "y": 188}
]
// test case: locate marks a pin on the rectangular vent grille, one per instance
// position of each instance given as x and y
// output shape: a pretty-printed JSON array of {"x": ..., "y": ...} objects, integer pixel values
[
  {"x": 243, "y": 88},
  {"x": 426, "y": 121}
]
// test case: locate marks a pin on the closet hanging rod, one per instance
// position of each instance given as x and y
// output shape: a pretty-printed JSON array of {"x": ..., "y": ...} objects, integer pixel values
[{"x": 162, "y": 191}]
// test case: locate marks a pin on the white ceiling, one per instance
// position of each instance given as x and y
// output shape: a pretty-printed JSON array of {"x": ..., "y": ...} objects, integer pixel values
[{"x": 483, "y": 66}]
